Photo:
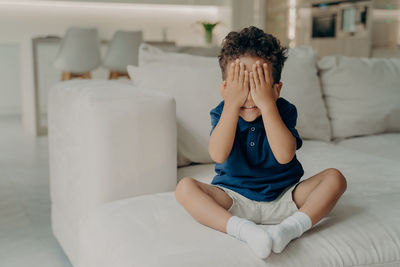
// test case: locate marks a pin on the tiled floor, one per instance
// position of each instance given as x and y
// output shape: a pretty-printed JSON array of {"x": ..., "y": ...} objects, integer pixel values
[{"x": 26, "y": 238}]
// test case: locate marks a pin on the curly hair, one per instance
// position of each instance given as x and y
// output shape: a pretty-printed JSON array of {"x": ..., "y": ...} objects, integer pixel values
[{"x": 253, "y": 41}]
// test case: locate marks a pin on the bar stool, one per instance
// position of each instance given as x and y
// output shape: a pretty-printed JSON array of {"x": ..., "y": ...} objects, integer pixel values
[
  {"x": 79, "y": 53},
  {"x": 122, "y": 51}
]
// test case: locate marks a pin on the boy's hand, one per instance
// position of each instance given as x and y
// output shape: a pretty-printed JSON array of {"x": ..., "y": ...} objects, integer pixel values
[
  {"x": 235, "y": 89},
  {"x": 261, "y": 87}
]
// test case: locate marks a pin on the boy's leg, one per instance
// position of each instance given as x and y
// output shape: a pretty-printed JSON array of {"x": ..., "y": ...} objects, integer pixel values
[
  {"x": 208, "y": 205},
  {"x": 315, "y": 197}
]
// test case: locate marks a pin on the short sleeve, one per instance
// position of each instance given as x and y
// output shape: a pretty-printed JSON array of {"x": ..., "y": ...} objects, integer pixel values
[
  {"x": 215, "y": 115},
  {"x": 289, "y": 117}
]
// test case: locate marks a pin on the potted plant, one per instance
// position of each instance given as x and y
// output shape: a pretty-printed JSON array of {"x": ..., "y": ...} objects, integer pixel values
[{"x": 208, "y": 30}]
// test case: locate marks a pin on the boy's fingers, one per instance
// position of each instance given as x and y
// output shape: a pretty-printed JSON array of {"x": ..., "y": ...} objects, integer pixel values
[
  {"x": 236, "y": 76},
  {"x": 271, "y": 78},
  {"x": 255, "y": 75},
  {"x": 260, "y": 72},
  {"x": 267, "y": 74},
  {"x": 241, "y": 73},
  {"x": 246, "y": 78},
  {"x": 231, "y": 71},
  {"x": 252, "y": 83}
]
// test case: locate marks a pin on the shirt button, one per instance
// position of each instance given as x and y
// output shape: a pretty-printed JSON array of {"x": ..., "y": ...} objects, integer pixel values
[
  {"x": 252, "y": 144},
  {"x": 253, "y": 129}
]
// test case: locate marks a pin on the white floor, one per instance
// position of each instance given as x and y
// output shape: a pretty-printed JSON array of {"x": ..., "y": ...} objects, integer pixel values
[{"x": 26, "y": 238}]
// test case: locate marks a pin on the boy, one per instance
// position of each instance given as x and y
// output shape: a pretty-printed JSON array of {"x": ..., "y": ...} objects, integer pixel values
[{"x": 253, "y": 141}]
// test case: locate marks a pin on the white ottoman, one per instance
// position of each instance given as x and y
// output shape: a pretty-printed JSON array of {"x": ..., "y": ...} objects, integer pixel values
[
  {"x": 156, "y": 231},
  {"x": 107, "y": 141}
]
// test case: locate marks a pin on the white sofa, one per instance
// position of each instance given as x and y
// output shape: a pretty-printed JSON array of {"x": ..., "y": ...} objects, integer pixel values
[{"x": 117, "y": 151}]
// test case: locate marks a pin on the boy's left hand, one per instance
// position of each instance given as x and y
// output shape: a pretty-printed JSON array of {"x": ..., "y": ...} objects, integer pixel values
[{"x": 261, "y": 85}]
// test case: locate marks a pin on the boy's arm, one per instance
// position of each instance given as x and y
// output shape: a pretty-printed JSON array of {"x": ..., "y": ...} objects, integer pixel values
[
  {"x": 234, "y": 92},
  {"x": 221, "y": 139},
  {"x": 281, "y": 140}
]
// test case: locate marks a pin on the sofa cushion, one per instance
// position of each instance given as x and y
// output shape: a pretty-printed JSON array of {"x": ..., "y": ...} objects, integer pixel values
[
  {"x": 150, "y": 54},
  {"x": 193, "y": 82},
  {"x": 301, "y": 87},
  {"x": 362, "y": 94},
  {"x": 195, "y": 90},
  {"x": 386, "y": 145},
  {"x": 363, "y": 229}
]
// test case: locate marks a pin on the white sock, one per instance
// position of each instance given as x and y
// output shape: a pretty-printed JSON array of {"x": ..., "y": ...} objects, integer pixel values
[
  {"x": 290, "y": 228},
  {"x": 247, "y": 231}
]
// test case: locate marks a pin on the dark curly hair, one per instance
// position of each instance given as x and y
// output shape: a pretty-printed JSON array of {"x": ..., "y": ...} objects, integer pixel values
[{"x": 253, "y": 41}]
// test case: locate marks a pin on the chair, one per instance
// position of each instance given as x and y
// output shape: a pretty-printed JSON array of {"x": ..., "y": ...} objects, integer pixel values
[
  {"x": 79, "y": 53},
  {"x": 122, "y": 51}
]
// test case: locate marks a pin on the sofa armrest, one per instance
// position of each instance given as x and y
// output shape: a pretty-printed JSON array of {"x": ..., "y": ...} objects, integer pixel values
[{"x": 108, "y": 141}]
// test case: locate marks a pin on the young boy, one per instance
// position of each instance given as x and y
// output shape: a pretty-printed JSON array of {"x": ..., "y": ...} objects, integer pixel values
[{"x": 253, "y": 141}]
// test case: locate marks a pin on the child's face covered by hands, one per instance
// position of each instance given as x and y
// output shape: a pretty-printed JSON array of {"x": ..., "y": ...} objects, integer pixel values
[
  {"x": 235, "y": 88},
  {"x": 249, "y": 86}
]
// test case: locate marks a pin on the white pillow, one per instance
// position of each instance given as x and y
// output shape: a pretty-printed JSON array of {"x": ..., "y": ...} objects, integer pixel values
[
  {"x": 193, "y": 81},
  {"x": 149, "y": 54},
  {"x": 301, "y": 87},
  {"x": 195, "y": 90},
  {"x": 362, "y": 94}
]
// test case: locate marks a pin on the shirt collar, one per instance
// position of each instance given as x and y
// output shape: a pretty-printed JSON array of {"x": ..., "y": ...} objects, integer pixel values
[{"x": 244, "y": 125}]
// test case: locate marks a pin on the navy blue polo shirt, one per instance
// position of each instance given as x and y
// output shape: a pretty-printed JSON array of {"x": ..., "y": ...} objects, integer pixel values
[{"x": 251, "y": 168}]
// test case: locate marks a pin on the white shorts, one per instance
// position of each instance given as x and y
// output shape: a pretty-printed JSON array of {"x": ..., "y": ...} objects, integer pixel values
[{"x": 260, "y": 212}]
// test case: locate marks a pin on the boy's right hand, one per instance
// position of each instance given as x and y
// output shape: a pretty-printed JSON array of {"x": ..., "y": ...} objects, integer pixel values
[{"x": 235, "y": 89}]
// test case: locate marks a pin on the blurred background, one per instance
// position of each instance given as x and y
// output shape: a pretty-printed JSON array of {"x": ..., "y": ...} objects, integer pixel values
[{"x": 32, "y": 30}]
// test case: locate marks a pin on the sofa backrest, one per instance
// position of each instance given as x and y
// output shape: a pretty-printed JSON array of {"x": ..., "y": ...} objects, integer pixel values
[
  {"x": 362, "y": 94},
  {"x": 310, "y": 84}
]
